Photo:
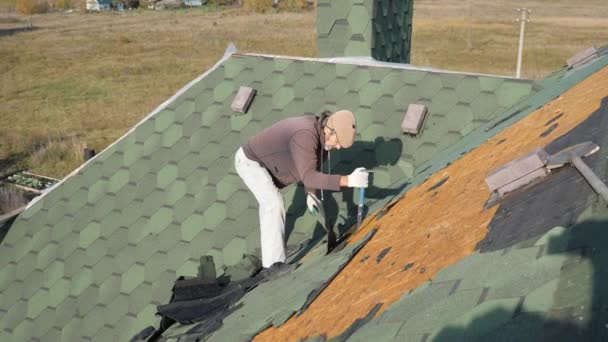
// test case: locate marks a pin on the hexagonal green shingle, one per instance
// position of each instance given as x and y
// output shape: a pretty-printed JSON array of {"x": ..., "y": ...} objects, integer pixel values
[
  {"x": 223, "y": 91},
  {"x": 490, "y": 84},
  {"x": 511, "y": 91},
  {"x": 282, "y": 97},
  {"x": 227, "y": 186},
  {"x": 166, "y": 175},
  {"x": 109, "y": 288},
  {"x": 132, "y": 278},
  {"x": 152, "y": 143},
  {"x": 468, "y": 89},
  {"x": 94, "y": 322},
  {"x": 239, "y": 201},
  {"x": 234, "y": 251},
  {"x": 117, "y": 309},
  {"x": 429, "y": 85},
  {"x": 81, "y": 281},
  {"x": 359, "y": 19},
  {"x": 118, "y": 180},
  {"x": 189, "y": 268},
  {"x": 444, "y": 100},
  {"x": 46, "y": 255},
  {"x": 58, "y": 292},
  {"x": 89, "y": 234},
  {"x": 52, "y": 273},
  {"x": 87, "y": 300},
  {"x": 97, "y": 190},
  {"x": 215, "y": 214},
  {"x": 163, "y": 119},
  {"x": 484, "y": 105},
  {"x": 238, "y": 122},
  {"x": 30, "y": 281},
  {"x": 233, "y": 67},
  {"x": 23, "y": 330},
  {"x": 171, "y": 135},
  {"x": 370, "y": 93},
  {"x": 192, "y": 226}
]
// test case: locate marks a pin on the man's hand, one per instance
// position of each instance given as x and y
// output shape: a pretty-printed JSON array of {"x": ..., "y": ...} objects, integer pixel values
[
  {"x": 311, "y": 204},
  {"x": 359, "y": 178}
]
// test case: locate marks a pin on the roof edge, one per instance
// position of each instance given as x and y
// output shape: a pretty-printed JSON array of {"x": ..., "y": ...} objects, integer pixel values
[
  {"x": 370, "y": 62},
  {"x": 230, "y": 50}
]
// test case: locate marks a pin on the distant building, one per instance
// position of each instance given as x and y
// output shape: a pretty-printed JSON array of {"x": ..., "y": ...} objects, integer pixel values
[
  {"x": 98, "y": 5},
  {"x": 193, "y": 3}
]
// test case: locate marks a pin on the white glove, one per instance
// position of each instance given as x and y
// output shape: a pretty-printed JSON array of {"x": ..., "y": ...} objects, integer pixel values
[
  {"x": 358, "y": 179},
  {"x": 310, "y": 203}
]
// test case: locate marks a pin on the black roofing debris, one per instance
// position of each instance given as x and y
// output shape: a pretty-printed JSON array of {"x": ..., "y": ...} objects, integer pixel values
[
  {"x": 315, "y": 293},
  {"x": 507, "y": 118},
  {"x": 438, "y": 184},
  {"x": 560, "y": 198},
  {"x": 549, "y": 130},
  {"x": 358, "y": 323},
  {"x": 484, "y": 295},
  {"x": 144, "y": 334},
  {"x": 204, "y": 298},
  {"x": 555, "y": 118},
  {"x": 382, "y": 254},
  {"x": 381, "y": 213},
  {"x": 407, "y": 267},
  {"x": 455, "y": 287},
  {"x": 393, "y": 202}
]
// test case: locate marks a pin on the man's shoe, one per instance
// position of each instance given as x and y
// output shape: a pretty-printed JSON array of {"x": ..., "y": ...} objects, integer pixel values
[{"x": 277, "y": 270}]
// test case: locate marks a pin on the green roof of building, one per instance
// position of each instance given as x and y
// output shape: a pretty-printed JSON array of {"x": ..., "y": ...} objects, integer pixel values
[{"x": 93, "y": 257}]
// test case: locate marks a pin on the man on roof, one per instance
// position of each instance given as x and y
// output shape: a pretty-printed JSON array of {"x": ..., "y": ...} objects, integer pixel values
[{"x": 292, "y": 151}]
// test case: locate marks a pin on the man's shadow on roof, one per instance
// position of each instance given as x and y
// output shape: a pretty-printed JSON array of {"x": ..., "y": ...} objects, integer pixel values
[
  {"x": 368, "y": 154},
  {"x": 584, "y": 242}
]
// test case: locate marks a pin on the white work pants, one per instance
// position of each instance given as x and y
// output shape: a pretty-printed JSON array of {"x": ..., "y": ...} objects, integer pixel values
[{"x": 272, "y": 208}]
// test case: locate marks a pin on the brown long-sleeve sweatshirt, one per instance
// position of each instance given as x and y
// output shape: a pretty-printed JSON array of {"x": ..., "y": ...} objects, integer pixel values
[{"x": 291, "y": 150}]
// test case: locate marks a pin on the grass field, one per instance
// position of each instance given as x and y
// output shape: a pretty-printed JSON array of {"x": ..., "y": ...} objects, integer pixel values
[{"x": 79, "y": 79}]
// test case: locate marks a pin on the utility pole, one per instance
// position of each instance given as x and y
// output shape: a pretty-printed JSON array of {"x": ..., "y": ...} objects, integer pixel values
[
  {"x": 469, "y": 33},
  {"x": 522, "y": 27}
]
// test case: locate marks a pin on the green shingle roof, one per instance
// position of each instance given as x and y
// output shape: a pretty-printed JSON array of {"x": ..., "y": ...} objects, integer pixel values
[
  {"x": 93, "y": 257},
  {"x": 521, "y": 293}
]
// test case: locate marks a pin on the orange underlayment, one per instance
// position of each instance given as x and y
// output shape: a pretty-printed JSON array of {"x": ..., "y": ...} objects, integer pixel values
[{"x": 433, "y": 229}]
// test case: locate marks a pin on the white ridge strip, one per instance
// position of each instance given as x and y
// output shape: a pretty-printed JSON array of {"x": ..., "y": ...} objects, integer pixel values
[{"x": 368, "y": 61}]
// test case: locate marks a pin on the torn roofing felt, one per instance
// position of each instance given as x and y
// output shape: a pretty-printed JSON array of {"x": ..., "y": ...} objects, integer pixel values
[
  {"x": 560, "y": 198},
  {"x": 93, "y": 257},
  {"x": 550, "y": 288},
  {"x": 274, "y": 302},
  {"x": 431, "y": 230}
]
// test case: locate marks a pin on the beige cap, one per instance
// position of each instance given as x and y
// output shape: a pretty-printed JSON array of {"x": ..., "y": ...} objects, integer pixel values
[{"x": 343, "y": 123}]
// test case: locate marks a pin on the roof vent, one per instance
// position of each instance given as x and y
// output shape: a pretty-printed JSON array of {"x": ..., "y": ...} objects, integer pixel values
[
  {"x": 583, "y": 57},
  {"x": 243, "y": 99},
  {"x": 519, "y": 172},
  {"x": 414, "y": 117}
]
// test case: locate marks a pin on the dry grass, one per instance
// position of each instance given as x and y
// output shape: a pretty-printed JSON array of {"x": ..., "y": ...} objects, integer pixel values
[
  {"x": 95, "y": 75},
  {"x": 11, "y": 199},
  {"x": 58, "y": 154}
]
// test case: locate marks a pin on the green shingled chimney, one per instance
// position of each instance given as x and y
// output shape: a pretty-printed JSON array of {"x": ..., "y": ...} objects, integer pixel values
[{"x": 381, "y": 29}]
